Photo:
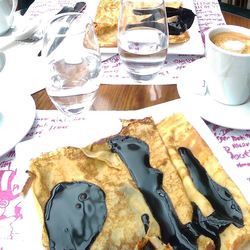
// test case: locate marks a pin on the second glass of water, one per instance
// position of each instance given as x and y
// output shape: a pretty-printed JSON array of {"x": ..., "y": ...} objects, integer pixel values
[
  {"x": 142, "y": 37},
  {"x": 73, "y": 61}
]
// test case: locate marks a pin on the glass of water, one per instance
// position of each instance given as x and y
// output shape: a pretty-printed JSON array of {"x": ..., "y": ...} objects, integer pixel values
[
  {"x": 73, "y": 60},
  {"x": 142, "y": 37}
]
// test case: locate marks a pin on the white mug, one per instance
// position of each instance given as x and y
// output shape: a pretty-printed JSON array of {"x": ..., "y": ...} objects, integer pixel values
[
  {"x": 7, "y": 11},
  {"x": 228, "y": 71}
]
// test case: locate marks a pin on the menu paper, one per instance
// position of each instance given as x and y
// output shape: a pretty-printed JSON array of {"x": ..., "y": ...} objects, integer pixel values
[{"x": 236, "y": 144}]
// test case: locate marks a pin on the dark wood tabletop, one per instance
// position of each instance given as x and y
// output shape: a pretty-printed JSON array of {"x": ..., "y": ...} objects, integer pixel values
[{"x": 131, "y": 97}]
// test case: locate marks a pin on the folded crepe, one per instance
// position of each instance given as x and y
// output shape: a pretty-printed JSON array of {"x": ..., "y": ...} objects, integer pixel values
[
  {"x": 106, "y": 22},
  {"x": 177, "y": 132},
  {"x": 128, "y": 224},
  {"x": 134, "y": 191}
]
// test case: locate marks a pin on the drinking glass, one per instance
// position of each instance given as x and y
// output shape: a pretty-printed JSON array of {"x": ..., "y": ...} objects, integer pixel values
[
  {"x": 142, "y": 37},
  {"x": 73, "y": 61}
]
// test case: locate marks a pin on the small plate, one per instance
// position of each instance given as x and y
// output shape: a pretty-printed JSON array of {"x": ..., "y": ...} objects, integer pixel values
[
  {"x": 191, "y": 88},
  {"x": 17, "y": 114}
]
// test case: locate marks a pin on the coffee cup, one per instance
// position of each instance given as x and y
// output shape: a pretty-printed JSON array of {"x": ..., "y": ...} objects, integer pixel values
[
  {"x": 228, "y": 64},
  {"x": 7, "y": 11}
]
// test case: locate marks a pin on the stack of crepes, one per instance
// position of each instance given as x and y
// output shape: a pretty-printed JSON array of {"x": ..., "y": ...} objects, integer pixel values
[
  {"x": 106, "y": 22},
  {"x": 134, "y": 190}
]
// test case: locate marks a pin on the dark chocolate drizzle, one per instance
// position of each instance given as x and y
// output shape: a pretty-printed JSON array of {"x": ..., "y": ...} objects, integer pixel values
[
  {"x": 220, "y": 198},
  {"x": 184, "y": 19},
  {"x": 74, "y": 215},
  {"x": 135, "y": 154},
  {"x": 145, "y": 220},
  {"x": 148, "y": 246},
  {"x": 227, "y": 211}
]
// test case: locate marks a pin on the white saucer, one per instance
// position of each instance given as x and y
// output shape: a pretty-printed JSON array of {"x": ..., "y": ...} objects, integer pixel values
[
  {"x": 17, "y": 114},
  {"x": 190, "y": 90},
  {"x": 21, "y": 29}
]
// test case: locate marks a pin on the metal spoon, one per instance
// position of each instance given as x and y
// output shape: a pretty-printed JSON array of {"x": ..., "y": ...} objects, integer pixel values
[{"x": 24, "y": 32}]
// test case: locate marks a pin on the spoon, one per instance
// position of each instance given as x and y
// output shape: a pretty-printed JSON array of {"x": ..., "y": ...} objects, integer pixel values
[{"x": 2, "y": 60}]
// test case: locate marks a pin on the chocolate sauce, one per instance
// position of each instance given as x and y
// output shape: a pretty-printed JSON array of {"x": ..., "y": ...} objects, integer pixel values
[
  {"x": 74, "y": 215},
  {"x": 148, "y": 246},
  {"x": 220, "y": 198},
  {"x": 145, "y": 221},
  {"x": 135, "y": 154}
]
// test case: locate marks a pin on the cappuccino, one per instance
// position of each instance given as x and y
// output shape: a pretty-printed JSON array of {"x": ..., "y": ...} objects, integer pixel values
[
  {"x": 227, "y": 62},
  {"x": 232, "y": 41}
]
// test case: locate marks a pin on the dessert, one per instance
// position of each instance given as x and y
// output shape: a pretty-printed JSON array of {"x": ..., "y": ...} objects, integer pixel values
[
  {"x": 148, "y": 196},
  {"x": 106, "y": 22}
]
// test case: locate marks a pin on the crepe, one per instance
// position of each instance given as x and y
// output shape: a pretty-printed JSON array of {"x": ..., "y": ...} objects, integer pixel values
[
  {"x": 133, "y": 216},
  {"x": 177, "y": 132},
  {"x": 123, "y": 227},
  {"x": 175, "y": 39},
  {"x": 106, "y": 23}
]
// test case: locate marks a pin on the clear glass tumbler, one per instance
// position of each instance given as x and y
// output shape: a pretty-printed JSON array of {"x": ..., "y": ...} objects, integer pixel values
[
  {"x": 142, "y": 37},
  {"x": 73, "y": 60}
]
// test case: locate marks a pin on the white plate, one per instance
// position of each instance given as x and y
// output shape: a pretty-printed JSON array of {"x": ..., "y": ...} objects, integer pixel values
[
  {"x": 110, "y": 125},
  {"x": 194, "y": 46},
  {"x": 17, "y": 113},
  {"x": 189, "y": 86}
]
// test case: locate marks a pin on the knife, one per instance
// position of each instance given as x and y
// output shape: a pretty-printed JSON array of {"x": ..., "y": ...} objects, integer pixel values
[{"x": 79, "y": 8}]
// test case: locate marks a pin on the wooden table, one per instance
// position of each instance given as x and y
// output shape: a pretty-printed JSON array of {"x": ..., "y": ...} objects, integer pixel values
[{"x": 131, "y": 97}]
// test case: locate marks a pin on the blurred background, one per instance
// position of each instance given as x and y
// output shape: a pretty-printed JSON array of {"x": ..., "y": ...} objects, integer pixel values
[{"x": 238, "y": 7}]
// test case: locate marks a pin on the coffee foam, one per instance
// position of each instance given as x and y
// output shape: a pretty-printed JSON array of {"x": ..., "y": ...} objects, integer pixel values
[
  {"x": 235, "y": 46},
  {"x": 232, "y": 41}
]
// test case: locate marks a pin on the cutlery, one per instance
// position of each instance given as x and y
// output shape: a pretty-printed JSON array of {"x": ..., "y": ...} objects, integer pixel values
[
  {"x": 79, "y": 7},
  {"x": 30, "y": 30}
]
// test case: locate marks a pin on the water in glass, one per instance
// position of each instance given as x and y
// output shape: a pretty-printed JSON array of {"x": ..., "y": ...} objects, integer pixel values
[
  {"x": 74, "y": 84},
  {"x": 73, "y": 62},
  {"x": 143, "y": 50},
  {"x": 142, "y": 37}
]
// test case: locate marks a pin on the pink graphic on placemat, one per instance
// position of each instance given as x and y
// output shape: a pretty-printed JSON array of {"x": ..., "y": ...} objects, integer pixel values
[{"x": 10, "y": 211}]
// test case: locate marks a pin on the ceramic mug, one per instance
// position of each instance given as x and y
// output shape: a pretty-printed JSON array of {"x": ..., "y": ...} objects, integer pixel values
[
  {"x": 228, "y": 64},
  {"x": 7, "y": 11}
]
